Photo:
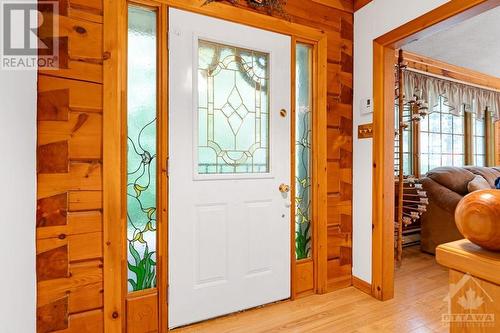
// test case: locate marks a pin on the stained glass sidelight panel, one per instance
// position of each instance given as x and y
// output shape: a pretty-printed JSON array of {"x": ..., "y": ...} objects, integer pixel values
[
  {"x": 303, "y": 121},
  {"x": 233, "y": 110},
  {"x": 141, "y": 153}
]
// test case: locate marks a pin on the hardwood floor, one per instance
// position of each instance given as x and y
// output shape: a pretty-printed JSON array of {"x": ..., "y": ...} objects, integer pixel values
[{"x": 420, "y": 286}]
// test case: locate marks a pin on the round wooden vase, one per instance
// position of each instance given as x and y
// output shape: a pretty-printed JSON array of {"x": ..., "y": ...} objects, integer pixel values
[{"x": 478, "y": 218}]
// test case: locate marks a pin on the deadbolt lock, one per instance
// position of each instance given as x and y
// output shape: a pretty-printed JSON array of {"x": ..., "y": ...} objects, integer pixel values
[
  {"x": 284, "y": 188},
  {"x": 283, "y": 113}
]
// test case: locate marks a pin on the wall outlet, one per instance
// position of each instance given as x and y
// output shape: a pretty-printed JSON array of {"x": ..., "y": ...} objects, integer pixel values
[{"x": 366, "y": 106}]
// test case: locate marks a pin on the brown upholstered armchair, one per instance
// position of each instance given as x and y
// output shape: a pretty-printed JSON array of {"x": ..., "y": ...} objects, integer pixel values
[{"x": 445, "y": 187}]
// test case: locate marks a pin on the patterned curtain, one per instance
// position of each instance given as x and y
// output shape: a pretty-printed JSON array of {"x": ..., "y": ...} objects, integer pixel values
[{"x": 456, "y": 95}]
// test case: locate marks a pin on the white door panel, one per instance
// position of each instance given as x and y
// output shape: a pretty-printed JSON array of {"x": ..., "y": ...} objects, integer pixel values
[
  {"x": 210, "y": 245},
  {"x": 229, "y": 150}
]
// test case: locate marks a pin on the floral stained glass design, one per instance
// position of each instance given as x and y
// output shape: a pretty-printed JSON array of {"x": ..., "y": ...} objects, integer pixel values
[
  {"x": 233, "y": 110},
  {"x": 141, "y": 153},
  {"x": 303, "y": 152}
]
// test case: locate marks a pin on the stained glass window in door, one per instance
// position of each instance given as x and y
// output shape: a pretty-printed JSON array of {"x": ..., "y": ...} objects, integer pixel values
[
  {"x": 141, "y": 145},
  {"x": 303, "y": 122},
  {"x": 233, "y": 110}
]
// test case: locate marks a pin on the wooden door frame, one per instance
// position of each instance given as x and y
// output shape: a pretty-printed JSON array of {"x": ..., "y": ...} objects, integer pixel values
[
  {"x": 114, "y": 153},
  {"x": 384, "y": 48}
]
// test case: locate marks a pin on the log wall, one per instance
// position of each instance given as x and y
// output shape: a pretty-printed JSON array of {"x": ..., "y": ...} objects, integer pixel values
[{"x": 69, "y": 213}]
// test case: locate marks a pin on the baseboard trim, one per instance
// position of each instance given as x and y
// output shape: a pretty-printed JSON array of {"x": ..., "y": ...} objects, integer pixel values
[{"x": 362, "y": 285}]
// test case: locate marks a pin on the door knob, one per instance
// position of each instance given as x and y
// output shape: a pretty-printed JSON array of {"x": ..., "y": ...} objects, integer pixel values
[{"x": 284, "y": 188}]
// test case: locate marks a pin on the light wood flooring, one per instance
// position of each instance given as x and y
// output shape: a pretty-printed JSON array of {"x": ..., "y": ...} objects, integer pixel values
[{"x": 420, "y": 286}]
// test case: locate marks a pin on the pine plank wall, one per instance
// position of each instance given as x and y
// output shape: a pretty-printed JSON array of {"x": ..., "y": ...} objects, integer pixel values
[{"x": 69, "y": 213}]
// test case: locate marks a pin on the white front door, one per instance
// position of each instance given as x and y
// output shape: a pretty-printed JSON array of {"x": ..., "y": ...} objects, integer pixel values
[{"x": 229, "y": 151}]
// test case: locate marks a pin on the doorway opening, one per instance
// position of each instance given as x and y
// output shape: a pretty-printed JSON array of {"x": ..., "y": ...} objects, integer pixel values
[{"x": 435, "y": 115}]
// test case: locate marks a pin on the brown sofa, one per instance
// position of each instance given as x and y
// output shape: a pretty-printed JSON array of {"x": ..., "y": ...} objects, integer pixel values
[{"x": 445, "y": 187}]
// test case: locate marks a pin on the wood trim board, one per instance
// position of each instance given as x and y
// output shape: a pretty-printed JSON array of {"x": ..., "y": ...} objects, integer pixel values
[
  {"x": 319, "y": 159},
  {"x": 252, "y": 19},
  {"x": 383, "y": 174},
  {"x": 163, "y": 174},
  {"x": 114, "y": 222},
  {"x": 464, "y": 256},
  {"x": 384, "y": 48},
  {"x": 345, "y": 5},
  {"x": 362, "y": 285},
  {"x": 293, "y": 266}
]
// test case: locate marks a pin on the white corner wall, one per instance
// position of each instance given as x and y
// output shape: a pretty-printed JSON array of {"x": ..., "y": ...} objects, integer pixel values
[
  {"x": 17, "y": 200},
  {"x": 370, "y": 22}
]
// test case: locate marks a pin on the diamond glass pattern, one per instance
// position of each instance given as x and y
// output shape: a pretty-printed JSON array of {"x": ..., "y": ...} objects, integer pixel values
[{"x": 233, "y": 110}]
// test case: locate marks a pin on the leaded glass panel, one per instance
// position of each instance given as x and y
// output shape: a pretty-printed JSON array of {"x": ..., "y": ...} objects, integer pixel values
[
  {"x": 233, "y": 110},
  {"x": 303, "y": 121},
  {"x": 141, "y": 153}
]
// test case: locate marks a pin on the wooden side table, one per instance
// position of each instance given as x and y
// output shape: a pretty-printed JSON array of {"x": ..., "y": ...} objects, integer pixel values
[{"x": 474, "y": 294}]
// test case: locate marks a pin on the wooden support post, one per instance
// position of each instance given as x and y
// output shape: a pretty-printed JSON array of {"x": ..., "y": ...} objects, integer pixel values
[
  {"x": 489, "y": 131},
  {"x": 468, "y": 143}
]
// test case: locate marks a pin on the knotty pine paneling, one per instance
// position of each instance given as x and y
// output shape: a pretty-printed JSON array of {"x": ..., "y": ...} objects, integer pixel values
[
  {"x": 69, "y": 221},
  {"x": 69, "y": 159}
]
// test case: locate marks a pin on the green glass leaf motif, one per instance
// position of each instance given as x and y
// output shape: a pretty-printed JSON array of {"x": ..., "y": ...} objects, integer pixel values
[
  {"x": 149, "y": 227},
  {"x": 143, "y": 269},
  {"x": 150, "y": 211},
  {"x": 303, "y": 153},
  {"x": 139, "y": 189}
]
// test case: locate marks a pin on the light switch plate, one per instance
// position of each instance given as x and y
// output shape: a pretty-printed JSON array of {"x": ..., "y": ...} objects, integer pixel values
[
  {"x": 366, "y": 106},
  {"x": 365, "y": 131}
]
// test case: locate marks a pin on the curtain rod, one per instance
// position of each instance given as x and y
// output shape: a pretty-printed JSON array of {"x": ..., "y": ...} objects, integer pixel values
[{"x": 451, "y": 80}]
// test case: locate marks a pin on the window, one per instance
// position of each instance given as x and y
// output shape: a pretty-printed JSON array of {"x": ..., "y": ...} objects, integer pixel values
[
  {"x": 441, "y": 138},
  {"x": 446, "y": 139},
  {"x": 233, "y": 110},
  {"x": 478, "y": 141},
  {"x": 141, "y": 153},
  {"x": 303, "y": 122},
  {"x": 407, "y": 143}
]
